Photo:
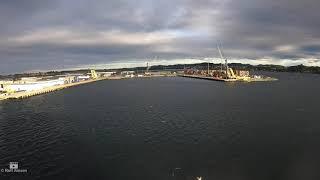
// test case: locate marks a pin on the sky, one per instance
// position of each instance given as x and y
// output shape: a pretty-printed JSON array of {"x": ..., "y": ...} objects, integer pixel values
[{"x": 40, "y": 35}]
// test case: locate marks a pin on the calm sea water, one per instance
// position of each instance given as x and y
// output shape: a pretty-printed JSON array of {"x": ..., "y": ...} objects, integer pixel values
[{"x": 167, "y": 128}]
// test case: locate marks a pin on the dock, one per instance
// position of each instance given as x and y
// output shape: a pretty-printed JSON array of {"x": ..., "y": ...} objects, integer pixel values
[
  {"x": 26, "y": 94},
  {"x": 208, "y": 78},
  {"x": 230, "y": 80}
]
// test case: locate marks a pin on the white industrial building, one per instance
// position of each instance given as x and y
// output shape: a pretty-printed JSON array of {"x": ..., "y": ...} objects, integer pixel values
[
  {"x": 127, "y": 72},
  {"x": 106, "y": 74},
  {"x": 31, "y": 85},
  {"x": 82, "y": 78}
]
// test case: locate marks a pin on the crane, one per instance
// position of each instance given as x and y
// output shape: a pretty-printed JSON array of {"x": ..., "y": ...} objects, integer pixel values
[
  {"x": 229, "y": 71},
  {"x": 94, "y": 74},
  {"x": 148, "y": 67}
]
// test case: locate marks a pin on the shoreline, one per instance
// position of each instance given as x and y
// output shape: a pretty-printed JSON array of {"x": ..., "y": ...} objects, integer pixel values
[{"x": 207, "y": 78}]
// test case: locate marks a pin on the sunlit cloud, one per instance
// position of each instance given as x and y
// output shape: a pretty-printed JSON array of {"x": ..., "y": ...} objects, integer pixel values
[{"x": 65, "y": 36}]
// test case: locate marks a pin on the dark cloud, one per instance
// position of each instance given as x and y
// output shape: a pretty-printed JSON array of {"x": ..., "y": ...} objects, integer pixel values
[{"x": 39, "y": 34}]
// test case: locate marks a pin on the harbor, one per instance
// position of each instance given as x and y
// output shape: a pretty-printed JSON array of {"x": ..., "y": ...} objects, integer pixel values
[
  {"x": 161, "y": 121},
  {"x": 159, "y": 90},
  {"x": 24, "y": 87},
  {"x": 31, "y": 86}
]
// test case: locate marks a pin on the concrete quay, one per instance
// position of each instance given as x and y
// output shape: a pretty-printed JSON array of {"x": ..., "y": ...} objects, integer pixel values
[
  {"x": 26, "y": 94},
  {"x": 208, "y": 78},
  {"x": 250, "y": 79}
]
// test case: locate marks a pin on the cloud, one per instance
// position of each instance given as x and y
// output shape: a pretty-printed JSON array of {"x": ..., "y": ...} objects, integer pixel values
[
  {"x": 113, "y": 37},
  {"x": 65, "y": 34}
]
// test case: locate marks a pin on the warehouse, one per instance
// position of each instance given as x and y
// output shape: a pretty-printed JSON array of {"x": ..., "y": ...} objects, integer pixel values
[{"x": 31, "y": 85}]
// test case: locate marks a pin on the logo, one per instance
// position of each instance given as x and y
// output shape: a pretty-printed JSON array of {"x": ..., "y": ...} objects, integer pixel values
[
  {"x": 13, "y": 168},
  {"x": 13, "y": 165}
]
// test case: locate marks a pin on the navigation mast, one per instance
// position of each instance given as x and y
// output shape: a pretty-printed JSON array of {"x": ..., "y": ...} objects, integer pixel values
[{"x": 148, "y": 67}]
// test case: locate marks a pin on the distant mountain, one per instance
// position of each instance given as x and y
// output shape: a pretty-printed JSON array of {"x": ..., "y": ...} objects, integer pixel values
[
  {"x": 270, "y": 67},
  {"x": 201, "y": 66}
]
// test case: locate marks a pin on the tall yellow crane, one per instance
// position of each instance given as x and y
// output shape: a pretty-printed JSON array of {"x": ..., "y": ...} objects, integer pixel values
[
  {"x": 94, "y": 74},
  {"x": 229, "y": 72},
  {"x": 8, "y": 89}
]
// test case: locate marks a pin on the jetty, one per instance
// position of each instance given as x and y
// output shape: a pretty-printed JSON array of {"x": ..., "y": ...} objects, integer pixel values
[
  {"x": 238, "y": 79},
  {"x": 207, "y": 78},
  {"x": 26, "y": 94}
]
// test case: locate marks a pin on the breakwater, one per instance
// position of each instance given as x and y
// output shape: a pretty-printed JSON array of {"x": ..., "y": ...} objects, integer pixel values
[
  {"x": 26, "y": 94},
  {"x": 243, "y": 79}
]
